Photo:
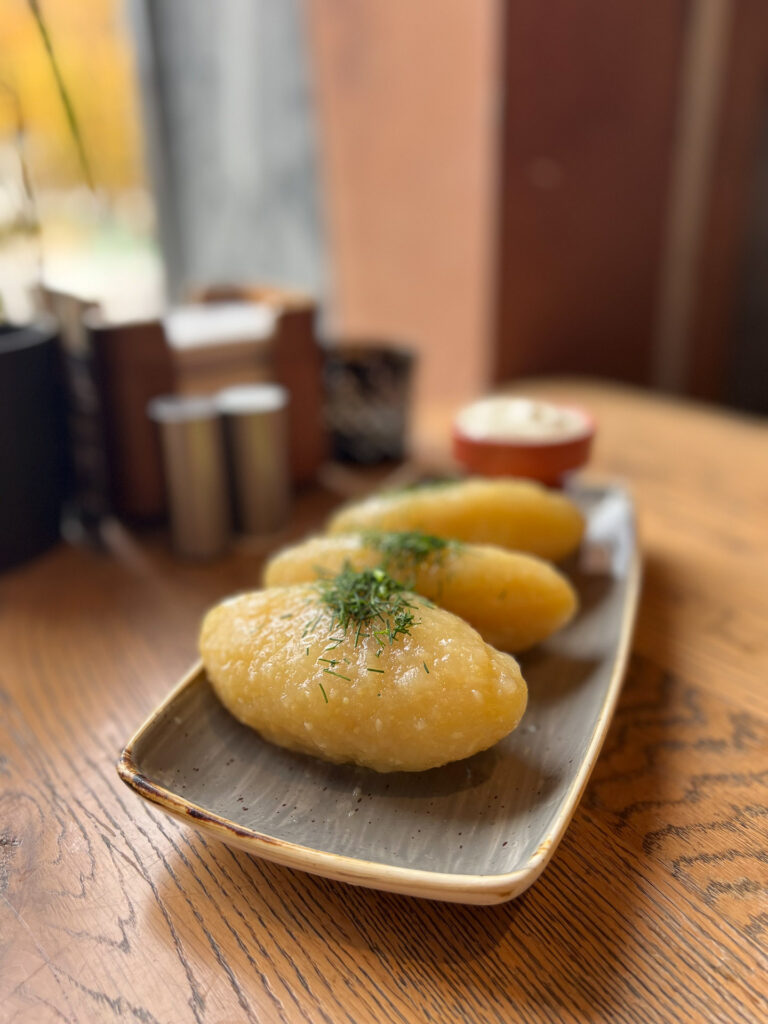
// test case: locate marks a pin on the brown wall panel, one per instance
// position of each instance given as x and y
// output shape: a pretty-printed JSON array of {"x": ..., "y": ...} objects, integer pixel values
[
  {"x": 744, "y": 105},
  {"x": 591, "y": 91},
  {"x": 506, "y": 183}
]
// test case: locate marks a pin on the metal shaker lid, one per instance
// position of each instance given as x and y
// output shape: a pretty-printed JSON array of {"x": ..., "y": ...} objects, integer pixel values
[
  {"x": 245, "y": 399},
  {"x": 181, "y": 408}
]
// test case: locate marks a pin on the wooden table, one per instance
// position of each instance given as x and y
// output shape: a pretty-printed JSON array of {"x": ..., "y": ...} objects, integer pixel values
[{"x": 653, "y": 909}]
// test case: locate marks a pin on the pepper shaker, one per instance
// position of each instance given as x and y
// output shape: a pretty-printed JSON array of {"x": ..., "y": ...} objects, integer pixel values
[
  {"x": 195, "y": 473},
  {"x": 256, "y": 436}
]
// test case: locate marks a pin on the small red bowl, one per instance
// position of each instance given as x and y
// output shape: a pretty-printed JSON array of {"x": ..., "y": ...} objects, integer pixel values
[{"x": 546, "y": 459}]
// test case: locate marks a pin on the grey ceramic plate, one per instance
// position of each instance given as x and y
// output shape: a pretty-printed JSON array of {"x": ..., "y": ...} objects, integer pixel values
[{"x": 478, "y": 831}]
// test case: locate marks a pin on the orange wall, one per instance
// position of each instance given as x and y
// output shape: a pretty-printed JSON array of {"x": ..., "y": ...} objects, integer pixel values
[{"x": 407, "y": 98}]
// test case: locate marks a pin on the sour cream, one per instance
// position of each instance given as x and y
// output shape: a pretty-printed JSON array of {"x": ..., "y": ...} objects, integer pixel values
[
  {"x": 520, "y": 419},
  {"x": 524, "y": 437}
]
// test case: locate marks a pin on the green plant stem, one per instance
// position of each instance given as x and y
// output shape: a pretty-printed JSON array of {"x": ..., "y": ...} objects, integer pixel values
[{"x": 69, "y": 109}]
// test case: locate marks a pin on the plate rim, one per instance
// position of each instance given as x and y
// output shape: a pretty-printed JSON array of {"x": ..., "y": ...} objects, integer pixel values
[{"x": 447, "y": 886}]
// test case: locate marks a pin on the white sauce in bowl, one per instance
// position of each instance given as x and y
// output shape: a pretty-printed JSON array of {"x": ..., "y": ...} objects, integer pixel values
[{"x": 520, "y": 419}]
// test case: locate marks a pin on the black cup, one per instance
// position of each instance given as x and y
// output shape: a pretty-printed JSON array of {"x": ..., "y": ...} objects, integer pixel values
[
  {"x": 33, "y": 445},
  {"x": 368, "y": 395}
]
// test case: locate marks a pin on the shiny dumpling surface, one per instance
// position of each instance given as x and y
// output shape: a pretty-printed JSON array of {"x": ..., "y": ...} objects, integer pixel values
[
  {"x": 516, "y": 514},
  {"x": 513, "y": 600},
  {"x": 435, "y": 695}
]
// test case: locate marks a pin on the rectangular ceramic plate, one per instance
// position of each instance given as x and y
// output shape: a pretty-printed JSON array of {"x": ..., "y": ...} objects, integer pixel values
[{"x": 477, "y": 831}]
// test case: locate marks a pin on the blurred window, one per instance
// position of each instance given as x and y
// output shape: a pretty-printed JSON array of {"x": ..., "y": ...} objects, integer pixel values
[{"x": 94, "y": 238}]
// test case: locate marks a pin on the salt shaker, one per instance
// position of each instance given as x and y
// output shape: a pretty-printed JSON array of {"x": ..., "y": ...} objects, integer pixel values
[
  {"x": 256, "y": 435},
  {"x": 195, "y": 473}
]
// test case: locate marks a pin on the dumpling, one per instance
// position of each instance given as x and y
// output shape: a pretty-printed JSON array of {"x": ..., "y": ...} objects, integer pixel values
[
  {"x": 517, "y": 514},
  {"x": 357, "y": 669},
  {"x": 513, "y": 600}
]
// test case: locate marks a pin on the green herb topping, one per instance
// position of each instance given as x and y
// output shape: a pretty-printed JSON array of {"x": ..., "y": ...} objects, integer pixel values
[
  {"x": 406, "y": 549},
  {"x": 368, "y": 604},
  {"x": 331, "y": 672}
]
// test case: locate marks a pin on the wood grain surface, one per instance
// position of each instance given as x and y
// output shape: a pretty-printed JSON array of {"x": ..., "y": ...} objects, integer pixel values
[{"x": 654, "y": 908}]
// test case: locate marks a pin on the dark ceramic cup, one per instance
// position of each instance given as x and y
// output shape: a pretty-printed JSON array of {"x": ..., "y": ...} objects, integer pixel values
[
  {"x": 33, "y": 446},
  {"x": 368, "y": 396}
]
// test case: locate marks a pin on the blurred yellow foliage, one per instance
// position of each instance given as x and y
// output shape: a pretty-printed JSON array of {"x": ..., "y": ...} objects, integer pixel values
[{"x": 93, "y": 46}]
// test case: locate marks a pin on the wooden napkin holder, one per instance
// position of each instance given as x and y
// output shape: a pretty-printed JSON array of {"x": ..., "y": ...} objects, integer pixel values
[{"x": 133, "y": 362}]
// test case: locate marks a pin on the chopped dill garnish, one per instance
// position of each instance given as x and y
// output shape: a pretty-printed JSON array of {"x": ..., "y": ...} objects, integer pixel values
[
  {"x": 369, "y": 603},
  {"x": 379, "y": 670},
  {"x": 332, "y": 673},
  {"x": 311, "y": 625},
  {"x": 407, "y": 548},
  {"x": 325, "y": 695},
  {"x": 288, "y": 615},
  {"x": 425, "y": 667}
]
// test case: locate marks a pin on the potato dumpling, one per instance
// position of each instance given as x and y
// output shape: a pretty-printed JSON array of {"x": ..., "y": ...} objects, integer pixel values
[
  {"x": 408, "y": 689},
  {"x": 513, "y": 600},
  {"x": 517, "y": 514}
]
